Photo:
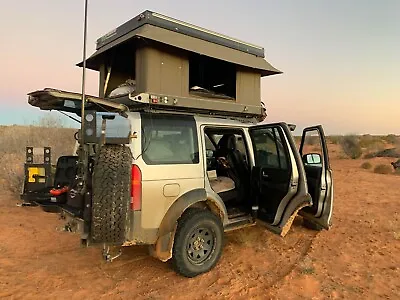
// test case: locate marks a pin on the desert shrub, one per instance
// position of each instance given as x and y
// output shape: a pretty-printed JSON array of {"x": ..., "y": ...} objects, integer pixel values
[
  {"x": 369, "y": 155},
  {"x": 392, "y": 139},
  {"x": 12, "y": 172},
  {"x": 351, "y": 146},
  {"x": 392, "y": 152},
  {"x": 383, "y": 169},
  {"x": 311, "y": 140},
  {"x": 335, "y": 139},
  {"x": 367, "y": 139},
  {"x": 366, "y": 165},
  {"x": 371, "y": 143}
]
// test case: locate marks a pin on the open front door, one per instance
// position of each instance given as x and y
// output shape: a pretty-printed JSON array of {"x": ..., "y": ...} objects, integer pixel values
[
  {"x": 278, "y": 184},
  {"x": 314, "y": 153}
]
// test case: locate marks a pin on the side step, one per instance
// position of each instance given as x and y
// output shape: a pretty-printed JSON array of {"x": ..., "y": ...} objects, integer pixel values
[{"x": 239, "y": 222}]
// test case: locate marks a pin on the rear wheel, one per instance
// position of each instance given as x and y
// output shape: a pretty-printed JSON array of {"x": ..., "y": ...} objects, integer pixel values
[
  {"x": 111, "y": 194},
  {"x": 198, "y": 242}
]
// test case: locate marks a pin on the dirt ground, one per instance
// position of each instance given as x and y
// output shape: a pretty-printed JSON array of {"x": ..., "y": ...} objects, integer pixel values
[{"x": 359, "y": 258}]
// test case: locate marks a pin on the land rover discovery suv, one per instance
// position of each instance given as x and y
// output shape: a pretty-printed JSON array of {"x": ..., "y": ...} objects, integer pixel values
[{"x": 184, "y": 180}]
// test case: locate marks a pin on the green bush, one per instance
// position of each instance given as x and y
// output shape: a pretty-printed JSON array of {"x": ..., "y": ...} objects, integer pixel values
[
  {"x": 351, "y": 146},
  {"x": 383, "y": 169},
  {"x": 366, "y": 165}
]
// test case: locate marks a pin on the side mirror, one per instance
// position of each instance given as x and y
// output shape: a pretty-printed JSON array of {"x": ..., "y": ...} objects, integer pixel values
[{"x": 312, "y": 159}]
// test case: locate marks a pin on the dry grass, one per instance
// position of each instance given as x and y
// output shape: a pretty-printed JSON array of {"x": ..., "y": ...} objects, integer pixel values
[
  {"x": 383, "y": 169},
  {"x": 335, "y": 139},
  {"x": 15, "y": 139},
  {"x": 371, "y": 143}
]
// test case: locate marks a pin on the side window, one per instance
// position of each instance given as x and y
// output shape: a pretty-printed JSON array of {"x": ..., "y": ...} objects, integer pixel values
[
  {"x": 219, "y": 143},
  {"x": 240, "y": 143},
  {"x": 169, "y": 140},
  {"x": 270, "y": 151}
]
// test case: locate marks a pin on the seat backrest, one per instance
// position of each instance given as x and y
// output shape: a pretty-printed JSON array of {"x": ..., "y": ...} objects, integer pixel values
[{"x": 239, "y": 171}]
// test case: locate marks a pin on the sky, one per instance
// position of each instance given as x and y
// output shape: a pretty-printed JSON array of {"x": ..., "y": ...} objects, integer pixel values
[{"x": 340, "y": 59}]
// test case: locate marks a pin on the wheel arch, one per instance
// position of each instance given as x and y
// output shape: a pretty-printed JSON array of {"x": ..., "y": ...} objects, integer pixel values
[{"x": 162, "y": 249}]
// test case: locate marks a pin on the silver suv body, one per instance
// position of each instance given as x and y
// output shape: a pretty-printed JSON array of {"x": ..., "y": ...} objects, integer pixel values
[
  {"x": 169, "y": 153},
  {"x": 236, "y": 173}
]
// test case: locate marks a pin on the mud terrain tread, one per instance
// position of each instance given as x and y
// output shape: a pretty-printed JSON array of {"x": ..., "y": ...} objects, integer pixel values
[
  {"x": 190, "y": 218},
  {"x": 111, "y": 194}
]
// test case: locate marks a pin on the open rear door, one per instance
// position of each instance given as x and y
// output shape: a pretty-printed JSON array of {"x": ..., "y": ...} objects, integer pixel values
[
  {"x": 278, "y": 183},
  {"x": 52, "y": 99},
  {"x": 314, "y": 153}
]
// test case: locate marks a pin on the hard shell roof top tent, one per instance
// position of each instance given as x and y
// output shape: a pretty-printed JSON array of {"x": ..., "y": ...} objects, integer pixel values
[{"x": 174, "y": 65}]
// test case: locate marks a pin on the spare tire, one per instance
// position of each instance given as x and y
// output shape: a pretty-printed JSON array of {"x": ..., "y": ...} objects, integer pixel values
[{"x": 111, "y": 182}]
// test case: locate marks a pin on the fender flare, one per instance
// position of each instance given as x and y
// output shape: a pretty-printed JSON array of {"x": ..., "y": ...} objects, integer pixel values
[{"x": 162, "y": 249}]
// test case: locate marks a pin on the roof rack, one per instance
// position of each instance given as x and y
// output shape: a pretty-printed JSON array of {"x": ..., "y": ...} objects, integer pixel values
[{"x": 52, "y": 99}]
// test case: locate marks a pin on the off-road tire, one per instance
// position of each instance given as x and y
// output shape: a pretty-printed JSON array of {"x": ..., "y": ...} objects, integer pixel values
[
  {"x": 111, "y": 182},
  {"x": 191, "y": 220}
]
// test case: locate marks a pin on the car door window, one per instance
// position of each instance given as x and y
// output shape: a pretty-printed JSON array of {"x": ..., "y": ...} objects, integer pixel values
[{"x": 269, "y": 149}]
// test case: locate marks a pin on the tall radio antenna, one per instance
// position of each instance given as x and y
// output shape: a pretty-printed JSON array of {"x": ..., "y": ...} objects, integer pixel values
[
  {"x": 84, "y": 149},
  {"x": 84, "y": 75}
]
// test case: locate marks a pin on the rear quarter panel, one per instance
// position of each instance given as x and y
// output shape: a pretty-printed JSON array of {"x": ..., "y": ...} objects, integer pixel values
[{"x": 162, "y": 185}]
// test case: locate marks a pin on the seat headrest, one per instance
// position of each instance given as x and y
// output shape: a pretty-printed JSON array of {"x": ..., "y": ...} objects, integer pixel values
[{"x": 228, "y": 141}]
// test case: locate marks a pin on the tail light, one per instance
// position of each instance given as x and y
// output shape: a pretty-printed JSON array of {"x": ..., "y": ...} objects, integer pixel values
[{"x": 136, "y": 188}]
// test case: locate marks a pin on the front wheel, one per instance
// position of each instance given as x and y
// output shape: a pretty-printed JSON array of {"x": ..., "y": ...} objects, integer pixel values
[{"x": 198, "y": 242}]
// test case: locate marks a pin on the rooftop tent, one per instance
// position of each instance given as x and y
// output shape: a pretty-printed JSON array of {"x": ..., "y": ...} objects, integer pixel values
[
  {"x": 182, "y": 35},
  {"x": 157, "y": 62}
]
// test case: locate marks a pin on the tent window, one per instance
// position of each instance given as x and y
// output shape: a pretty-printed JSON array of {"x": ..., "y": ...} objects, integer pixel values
[
  {"x": 120, "y": 64},
  {"x": 212, "y": 77}
]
